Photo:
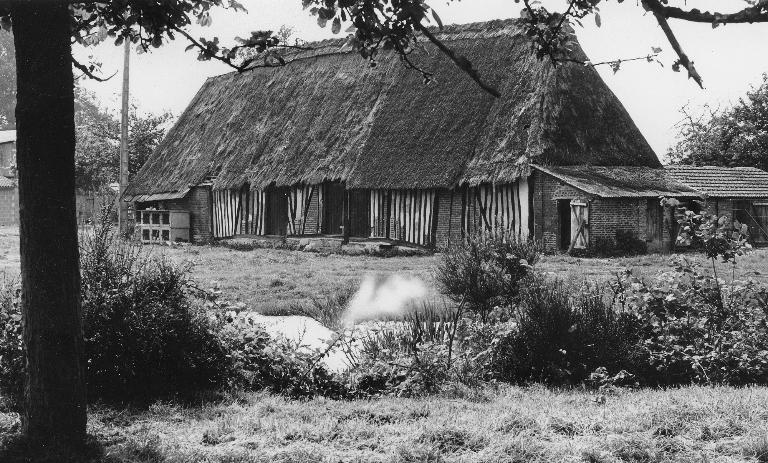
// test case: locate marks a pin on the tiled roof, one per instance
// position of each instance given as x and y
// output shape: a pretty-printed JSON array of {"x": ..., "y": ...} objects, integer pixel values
[
  {"x": 7, "y": 136},
  {"x": 723, "y": 182},
  {"x": 619, "y": 181}
]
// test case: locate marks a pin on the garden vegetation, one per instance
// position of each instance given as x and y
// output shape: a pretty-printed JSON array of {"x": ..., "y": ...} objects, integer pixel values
[{"x": 152, "y": 334}]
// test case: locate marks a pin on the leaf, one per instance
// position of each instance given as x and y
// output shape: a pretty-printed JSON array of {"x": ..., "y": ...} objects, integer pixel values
[
  {"x": 656, "y": 49},
  {"x": 336, "y": 27},
  {"x": 598, "y": 21}
]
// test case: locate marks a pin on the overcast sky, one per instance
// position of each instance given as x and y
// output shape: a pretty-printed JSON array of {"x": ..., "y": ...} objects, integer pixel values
[{"x": 730, "y": 58}]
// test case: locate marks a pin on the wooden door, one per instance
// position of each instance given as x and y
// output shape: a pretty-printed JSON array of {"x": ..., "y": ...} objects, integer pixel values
[
  {"x": 276, "y": 211},
  {"x": 359, "y": 213},
  {"x": 333, "y": 208},
  {"x": 579, "y": 225},
  {"x": 654, "y": 222},
  {"x": 564, "y": 221}
]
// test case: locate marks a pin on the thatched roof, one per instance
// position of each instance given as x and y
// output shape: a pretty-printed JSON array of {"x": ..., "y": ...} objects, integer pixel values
[
  {"x": 723, "y": 182},
  {"x": 328, "y": 115},
  {"x": 620, "y": 181}
]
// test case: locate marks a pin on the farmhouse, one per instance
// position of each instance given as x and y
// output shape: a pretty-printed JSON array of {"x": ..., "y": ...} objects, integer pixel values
[
  {"x": 329, "y": 145},
  {"x": 738, "y": 192}
]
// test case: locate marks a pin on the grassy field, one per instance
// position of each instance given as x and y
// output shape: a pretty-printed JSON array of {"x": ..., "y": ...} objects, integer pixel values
[
  {"x": 509, "y": 425},
  {"x": 272, "y": 280}
]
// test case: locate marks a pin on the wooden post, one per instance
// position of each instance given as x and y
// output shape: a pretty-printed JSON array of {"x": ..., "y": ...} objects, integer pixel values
[
  {"x": 345, "y": 216},
  {"x": 123, "y": 216}
]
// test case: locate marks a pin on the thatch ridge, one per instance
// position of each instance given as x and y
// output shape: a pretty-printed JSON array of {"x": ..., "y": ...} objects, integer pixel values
[{"x": 333, "y": 117}]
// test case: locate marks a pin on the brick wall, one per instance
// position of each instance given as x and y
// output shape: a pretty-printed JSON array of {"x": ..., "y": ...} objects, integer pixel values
[
  {"x": 312, "y": 219},
  {"x": 609, "y": 215},
  {"x": 200, "y": 220},
  {"x": 449, "y": 214},
  {"x": 9, "y": 206}
]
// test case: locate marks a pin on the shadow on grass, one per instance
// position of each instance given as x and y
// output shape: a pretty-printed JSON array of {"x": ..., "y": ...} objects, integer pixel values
[{"x": 15, "y": 448}]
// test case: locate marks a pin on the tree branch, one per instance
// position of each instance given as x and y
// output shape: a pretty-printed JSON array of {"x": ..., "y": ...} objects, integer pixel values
[
  {"x": 753, "y": 14},
  {"x": 85, "y": 70},
  {"x": 463, "y": 63},
  {"x": 658, "y": 11}
]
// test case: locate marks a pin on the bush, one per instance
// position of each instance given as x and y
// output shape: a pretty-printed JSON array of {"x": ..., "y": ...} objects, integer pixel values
[
  {"x": 258, "y": 361},
  {"x": 559, "y": 335},
  {"x": 484, "y": 271},
  {"x": 11, "y": 353},
  {"x": 624, "y": 243},
  {"x": 145, "y": 336},
  {"x": 696, "y": 331}
]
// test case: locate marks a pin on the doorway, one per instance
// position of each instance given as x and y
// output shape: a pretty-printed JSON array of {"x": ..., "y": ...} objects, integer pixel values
[
  {"x": 333, "y": 208},
  {"x": 564, "y": 222},
  {"x": 276, "y": 211}
]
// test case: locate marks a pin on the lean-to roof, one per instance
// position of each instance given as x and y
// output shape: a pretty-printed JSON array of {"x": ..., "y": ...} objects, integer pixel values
[
  {"x": 620, "y": 181},
  {"x": 328, "y": 115}
]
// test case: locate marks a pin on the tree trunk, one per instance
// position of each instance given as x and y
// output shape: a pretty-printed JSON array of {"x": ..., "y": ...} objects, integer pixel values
[{"x": 55, "y": 407}]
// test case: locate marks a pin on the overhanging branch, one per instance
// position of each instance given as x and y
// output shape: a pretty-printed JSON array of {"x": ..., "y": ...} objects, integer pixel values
[
  {"x": 658, "y": 11},
  {"x": 753, "y": 14},
  {"x": 87, "y": 71},
  {"x": 463, "y": 63}
]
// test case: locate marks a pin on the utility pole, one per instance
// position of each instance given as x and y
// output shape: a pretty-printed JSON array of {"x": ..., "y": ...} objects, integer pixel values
[{"x": 123, "y": 217}]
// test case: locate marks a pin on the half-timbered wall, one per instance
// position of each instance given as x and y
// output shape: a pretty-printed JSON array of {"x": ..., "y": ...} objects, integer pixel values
[
  {"x": 305, "y": 209},
  {"x": 238, "y": 212},
  {"x": 404, "y": 215},
  {"x": 497, "y": 208}
]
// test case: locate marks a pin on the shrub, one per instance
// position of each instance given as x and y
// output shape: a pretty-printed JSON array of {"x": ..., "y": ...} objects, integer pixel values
[
  {"x": 694, "y": 330},
  {"x": 560, "y": 334},
  {"x": 11, "y": 353},
  {"x": 628, "y": 244},
  {"x": 259, "y": 361},
  {"x": 145, "y": 337},
  {"x": 624, "y": 243},
  {"x": 484, "y": 271}
]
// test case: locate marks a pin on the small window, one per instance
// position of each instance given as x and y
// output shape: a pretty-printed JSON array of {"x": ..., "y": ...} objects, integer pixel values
[
  {"x": 155, "y": 235},
  {"x": 166, "y": 235},
  {"x": 166, "y": 218},
  {"x": 155, "y": 218},
  {"x": 145, "y": 235}
]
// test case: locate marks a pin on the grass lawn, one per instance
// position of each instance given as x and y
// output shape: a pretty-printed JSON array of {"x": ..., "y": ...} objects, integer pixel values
[
  {"x": 537, "y": 425},
  {"x": 271, "y": 281}
]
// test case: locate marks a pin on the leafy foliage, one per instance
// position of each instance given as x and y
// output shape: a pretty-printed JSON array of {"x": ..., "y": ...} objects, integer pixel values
[
  {"x": 7, "y": 81},
  {"x": 11, "y": 353},
  {"x": 692, "y": 331},
  {"x": 98, "y": 141},
  {"x": 484, "y": 271},
  {"x": 731, "y": 137},
  {"x": 144, "y": 337},
  {"x": 259, "y": 361}
]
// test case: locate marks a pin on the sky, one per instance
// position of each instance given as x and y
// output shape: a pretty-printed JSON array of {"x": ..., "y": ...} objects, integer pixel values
[{"x": 730, "y": 58}]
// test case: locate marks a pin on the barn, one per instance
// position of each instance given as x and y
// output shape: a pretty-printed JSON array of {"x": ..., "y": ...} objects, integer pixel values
[{"x": 331, "y": 146}]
